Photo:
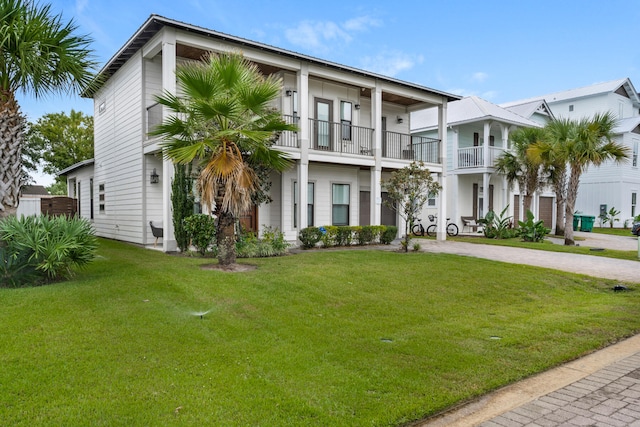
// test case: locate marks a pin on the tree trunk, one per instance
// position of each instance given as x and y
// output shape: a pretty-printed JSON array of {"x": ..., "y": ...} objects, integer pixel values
[
  {"x": 226, "y": 238},
  {"x": 526, "y": 204},
  {"x": 559, "y": 217},
  {"x": 11, "y": 130},
  {"x": 572, "y": 195}
]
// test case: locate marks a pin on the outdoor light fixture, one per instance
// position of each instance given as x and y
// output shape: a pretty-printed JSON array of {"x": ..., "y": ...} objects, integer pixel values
[
  {"x": 288, "y": 92},
  {"x": 399, "y": 119},
  {"x": 357, "y": 106},
  {"x": 155, "y": 178}
]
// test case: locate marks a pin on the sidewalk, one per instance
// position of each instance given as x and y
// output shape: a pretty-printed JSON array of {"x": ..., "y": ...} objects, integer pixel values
[{"x": 601, "y": 389}]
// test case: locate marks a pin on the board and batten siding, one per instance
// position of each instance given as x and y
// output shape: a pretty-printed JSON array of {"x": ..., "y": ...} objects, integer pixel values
[{"x": 118, "y": 146}]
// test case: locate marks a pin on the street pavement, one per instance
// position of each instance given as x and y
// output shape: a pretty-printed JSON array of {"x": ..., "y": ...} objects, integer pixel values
[{"x": 601, "y": 389}]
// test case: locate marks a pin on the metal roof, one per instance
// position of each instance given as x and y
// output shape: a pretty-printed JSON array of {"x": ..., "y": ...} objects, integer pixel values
[
  {"x": 467, "y": 110},
  {"x": 75, "y": 166},
  {"x": 156, "y": 22}
]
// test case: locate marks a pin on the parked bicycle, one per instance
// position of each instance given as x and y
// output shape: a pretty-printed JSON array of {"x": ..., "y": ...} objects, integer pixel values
[
  {"x": 452, "y": 229},
  {"x": 417, "y": 229}
]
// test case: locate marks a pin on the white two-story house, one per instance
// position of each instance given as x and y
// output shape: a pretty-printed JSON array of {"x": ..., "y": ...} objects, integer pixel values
[
  {"x": 609, "y": 185},
  {"x": 477, "y": 134},
  {"x": 353, "y": 130}
]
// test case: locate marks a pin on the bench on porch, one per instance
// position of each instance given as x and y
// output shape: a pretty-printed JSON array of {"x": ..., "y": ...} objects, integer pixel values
[
  {"x": 157, "y": 232},
  {"x": 470, "y": 222}
]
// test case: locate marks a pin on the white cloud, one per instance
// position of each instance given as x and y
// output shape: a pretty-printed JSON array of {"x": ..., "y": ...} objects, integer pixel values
[
  {"x": 319, "y": 36},
  {"x": 361, "y": 23},
  {"x": 479, "y": 76},
  {"x": 486, "y": 95},
  {"x": 391, "y": 63}
]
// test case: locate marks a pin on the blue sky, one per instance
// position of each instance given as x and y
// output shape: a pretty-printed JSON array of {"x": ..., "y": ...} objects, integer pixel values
[{"x": 498, "y": 50}]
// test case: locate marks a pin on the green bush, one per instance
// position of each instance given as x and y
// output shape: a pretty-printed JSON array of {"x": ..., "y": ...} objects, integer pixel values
[
  {"x": 309, "y": 237},
  {"x": 365, "y": 234},
  {"x": 497, "y": 227},
  {"x": 271, "y": 244},
  {"x": 17, "y": 270},
  {"x": 201, "y": 229},
  {"x": 344, "y": 236},
  {"x": 531, "y": 230},
  {"x": 328, "y": 237},
  {"x": 54, "y": 245},
  {"x": 388, "y": 234}
]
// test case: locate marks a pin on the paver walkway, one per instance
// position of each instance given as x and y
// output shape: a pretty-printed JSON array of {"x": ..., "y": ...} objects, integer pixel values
[{"x": 602, "y": 389}]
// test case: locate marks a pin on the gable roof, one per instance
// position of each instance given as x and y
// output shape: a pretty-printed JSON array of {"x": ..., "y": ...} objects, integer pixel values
[
  {"x": 630, "y": 124},
  {"x": 155, "y": 23},
  {"x": 528, "y": 109},
  {"x": 75, "y": 166},
  {"x": 34, "y": 190},
  {"x": 623, "y": 87},
  {"x": 468, "y": 110}
]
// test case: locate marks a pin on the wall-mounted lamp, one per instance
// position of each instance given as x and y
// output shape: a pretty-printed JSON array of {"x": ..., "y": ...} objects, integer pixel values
[
  {"x": 288, "y": 92},
  {"x": 155, "y": 178},
  {"x": 399, "y": 119},
  {"x": 357, "y": 106}
]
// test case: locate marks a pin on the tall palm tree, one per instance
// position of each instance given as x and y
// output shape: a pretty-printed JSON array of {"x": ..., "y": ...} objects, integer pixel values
[
  {"x": 225, "y": 122},
  {"x": 579, "y": 144},
  {"x": 592, "y": 144},
  {"x": 39, "y": 55},
  {"x": 518, "y": 167},
  {"x": 554, "y": 163}
]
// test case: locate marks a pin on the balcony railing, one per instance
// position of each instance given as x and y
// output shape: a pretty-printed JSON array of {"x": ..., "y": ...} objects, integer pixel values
[
  {"x": 340, "y": 138},
  {"x": 473, "y": 157},
  {"x": 154, "y": 117},
  {"x": 289, "y": 138},
  {"x": 407, "y": 147}
]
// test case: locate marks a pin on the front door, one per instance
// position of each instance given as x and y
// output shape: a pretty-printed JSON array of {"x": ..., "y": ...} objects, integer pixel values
[{"x": 324, "y": 115}]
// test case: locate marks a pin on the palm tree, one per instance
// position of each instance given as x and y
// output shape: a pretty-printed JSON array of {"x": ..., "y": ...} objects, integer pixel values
[
  {"x": 554, "y": 163},
  {"x": 518, "y": 167},
  {"x": 579, "y": 144},
  {"x": 40, "y": 55},
  {"x": 225, "y": 122}
]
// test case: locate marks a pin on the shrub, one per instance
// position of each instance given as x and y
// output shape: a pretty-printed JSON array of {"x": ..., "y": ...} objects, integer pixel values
[
  {"x": 389, "y": 234},
  {"x": 309, "y": 237},
  {"x": 328, "y": 237},
  {"x": 364, "y": 234},
  {"x": 54, "y": 245},
  {"x": 497, "y": 227},
  {"x": 17, "y": 270},
  {"x": 201, "y": 229},
  {"x": 271, "y": 244},
  {"x": 344, "y": 235},
  {"x": 377, "y": 233},
  {"x": 531, "y": 230}
]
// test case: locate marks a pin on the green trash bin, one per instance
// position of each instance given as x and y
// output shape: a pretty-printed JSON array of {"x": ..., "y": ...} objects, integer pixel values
[
  {"x": 576, "y": 222},
  {"x": 587, "y": 223}
]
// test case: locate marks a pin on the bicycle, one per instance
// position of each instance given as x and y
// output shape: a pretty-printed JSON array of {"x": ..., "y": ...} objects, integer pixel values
[
  {"x": 452, "y": 229},
  {"x": 417, "y": 229}
]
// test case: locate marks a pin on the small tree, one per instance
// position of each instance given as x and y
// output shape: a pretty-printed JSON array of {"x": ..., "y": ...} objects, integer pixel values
[
  {"x": 182, "y": 201},
  {"x": 408, "y": 190}
]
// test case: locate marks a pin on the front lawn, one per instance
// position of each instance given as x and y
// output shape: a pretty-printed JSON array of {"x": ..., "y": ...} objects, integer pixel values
[{"x": 322, "y": 338}]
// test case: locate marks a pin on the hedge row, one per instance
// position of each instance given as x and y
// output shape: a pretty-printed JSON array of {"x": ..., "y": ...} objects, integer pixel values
[{"x": 332, "y": 235}]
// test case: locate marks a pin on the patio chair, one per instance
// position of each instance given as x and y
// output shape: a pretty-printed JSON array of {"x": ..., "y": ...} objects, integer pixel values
[{"x": 157, "y": 232}]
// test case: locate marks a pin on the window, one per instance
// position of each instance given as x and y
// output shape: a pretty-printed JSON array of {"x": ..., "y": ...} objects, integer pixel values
[
  {"x": 476, "y": 139},
  {"x": 571, "y": 107},
  {"x": 431, "y": 201},
  {"x": 310, "y": 198},
  {"x": 345, "y": 120},
  {"x": 634, "y": 158},
  {"x": 101, "y": 198},
  {"x": 633, "y": 205},
  {"x": 91, "y": 197},
  {"x": 492, "y": 141},
  {"x": 340, "y": 204}
]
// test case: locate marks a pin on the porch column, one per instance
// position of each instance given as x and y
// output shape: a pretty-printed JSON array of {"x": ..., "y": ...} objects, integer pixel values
[
  {"x": 376, "y": 171},
  {"x": 303, "y": 140},
  {"x": 485, "y": 193},
  {"x": 485, "y": 145},
  {"x": 442, "y": 199},
  {"x": 169, "y": 243}
]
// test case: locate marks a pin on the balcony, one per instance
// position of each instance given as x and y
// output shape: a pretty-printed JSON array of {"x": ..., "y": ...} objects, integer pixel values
[
  {"x": 407, "y": 147},
  {"x": 340, "y": 138},
  {"x": 473, "y": 157},
  {"x": 289, "y": 138}
]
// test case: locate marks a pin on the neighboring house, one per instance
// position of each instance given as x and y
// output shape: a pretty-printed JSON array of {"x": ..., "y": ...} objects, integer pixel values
[
  {"x": 80, "y": 187},
  {"x": 353, "y": 131},
  {"x": 30, "y": 200},
  {"x": 610, "y": 185},
  {"x": 477, "y": 134}
]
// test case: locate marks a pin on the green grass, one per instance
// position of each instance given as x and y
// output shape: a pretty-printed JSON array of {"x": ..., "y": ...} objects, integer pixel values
[
  {"x": 614, "y": 231},
  {"x": 322, "y": 338}
]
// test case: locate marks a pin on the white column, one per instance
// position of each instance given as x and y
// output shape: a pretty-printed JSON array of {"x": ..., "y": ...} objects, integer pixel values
[
  {"x": 442, "y": 199},
  {"x": 485, "y": 145},
  {"x": 485, "y": 192},
  {"x": 168, "y": 85},
  {"x": 303, "y": 140},
  {"x": 376, "y": 171}
]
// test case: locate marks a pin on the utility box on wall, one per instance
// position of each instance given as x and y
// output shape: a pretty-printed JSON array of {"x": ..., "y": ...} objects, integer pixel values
[{"x": 603, "y": 211}]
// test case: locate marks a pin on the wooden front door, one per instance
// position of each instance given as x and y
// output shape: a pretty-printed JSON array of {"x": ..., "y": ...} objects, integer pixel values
[{"x": 249, "y": 221}]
